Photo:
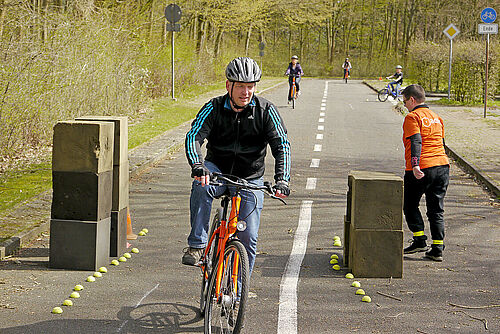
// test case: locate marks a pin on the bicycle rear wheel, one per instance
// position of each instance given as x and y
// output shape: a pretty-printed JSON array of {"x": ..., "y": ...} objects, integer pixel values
[
  {"x": 225, "y": 313},
  {"x": 383, "y": 94},
  {"x": 210, "y": 260},
  {"x": 293, "y": 93}
]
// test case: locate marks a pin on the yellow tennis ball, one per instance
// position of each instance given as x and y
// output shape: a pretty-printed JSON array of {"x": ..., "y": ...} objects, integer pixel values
[
  {"x": 334, "y": 261},
  {"x": 122, "y": 259},
  {"x": 356, "y": 284},
  {"x": 141, "y": 233},
  {"x": 78, "y": 287},
  {"x": 360, "y": 292},
  {"x": 336, "y": 267},
  {"x": 127, "y": 255},
  {"x": 97, "y": 274},
  {"x": 103, "y": 270},
  {"x": 91, "y": 279},
  {"x": 134, "y": 250},
  {"x": 74, "y": 294},
  {"x": 115, "y": 262},
  {"x": 334, "y": 256},
  {"x": 349, "y": 275},
  {"x": 337, "y": 243},
  {"x": 366, "y": 299},
  {"x": 145, "y": 230},
  {"x": 57, "y": 310},
  {"x": 67, "y": 302},
  {"x": 336, "y": 238}
]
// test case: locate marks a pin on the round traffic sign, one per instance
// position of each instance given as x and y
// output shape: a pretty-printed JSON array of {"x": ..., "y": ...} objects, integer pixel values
[
  {"x": 488, "y": 15},
  {"x": 173, "y": 13}
]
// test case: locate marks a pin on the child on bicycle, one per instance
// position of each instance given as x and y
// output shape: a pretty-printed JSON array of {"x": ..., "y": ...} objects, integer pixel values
[
  {"x": 398, "y": 76},
  {"x": 238, "y": 127},
  {"x": 347, "y": 67},
  {"x": 294, "y": 69}
]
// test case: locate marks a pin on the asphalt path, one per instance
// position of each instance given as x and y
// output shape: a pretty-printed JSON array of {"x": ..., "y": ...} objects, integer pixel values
[{"x": 335, "y": 128}]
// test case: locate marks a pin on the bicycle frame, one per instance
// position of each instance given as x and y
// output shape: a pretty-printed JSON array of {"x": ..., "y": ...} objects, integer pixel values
[
  {"x": 294, "y": 89},
  {"x": 225, "y": 231}
]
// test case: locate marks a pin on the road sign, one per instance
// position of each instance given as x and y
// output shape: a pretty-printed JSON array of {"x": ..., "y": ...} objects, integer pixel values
[
  {"x": 173, "y": 13},
  {"x": 487, "y": 28},
  {"x": 488, "y": 15},
  {"x": 173, "y": 27},
  {"x": 262, "y": 46},
  {"x": 451, "y": 31}
]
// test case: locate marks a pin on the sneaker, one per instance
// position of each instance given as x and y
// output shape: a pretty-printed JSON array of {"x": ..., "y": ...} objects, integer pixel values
[
  {"x": 417, "y": 245},
  {"x": 435, "y": 254},
  {"x": 192, "y": 256}
]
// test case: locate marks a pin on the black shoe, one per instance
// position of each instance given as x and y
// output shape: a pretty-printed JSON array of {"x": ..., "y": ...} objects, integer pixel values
[
  {"x": 417, "y": 245},
  {"x": 436, "y": 254},
  {"x": 192, "y": 256}
]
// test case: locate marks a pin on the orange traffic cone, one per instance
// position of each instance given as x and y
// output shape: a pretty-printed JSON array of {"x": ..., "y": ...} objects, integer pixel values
[
  {"x": 130, "y": 233},
  {"x": 379, "y": 78}
]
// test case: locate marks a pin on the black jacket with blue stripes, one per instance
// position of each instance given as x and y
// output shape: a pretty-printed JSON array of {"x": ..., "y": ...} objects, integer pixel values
[{"x": 237, "y": 141}]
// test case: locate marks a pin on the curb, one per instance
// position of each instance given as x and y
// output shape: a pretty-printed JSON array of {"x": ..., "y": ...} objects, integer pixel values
[
  {"x": 465, "y": 165},
  {"x": 166, "y": 143}
]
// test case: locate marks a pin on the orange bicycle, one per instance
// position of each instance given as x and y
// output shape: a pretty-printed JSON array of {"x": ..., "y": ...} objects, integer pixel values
[
  {"x": 293, "y": 91},
  {"x": 224, "y": 264},
  {"x": 346, "y": 74}
]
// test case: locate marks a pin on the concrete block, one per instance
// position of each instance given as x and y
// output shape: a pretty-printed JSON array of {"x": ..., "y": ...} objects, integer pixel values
[
  {"x": 120, "y": 186},
  {"x": 376, "y": 253},
  {"x": 83, "y": 147},
  {"x": 118, "y": 234},
  {"x": 81, "y": 196},
  {"x": 120, "y": 151},
  {"x": 347, "y": 227},
  {"x": 79, "y": 245},
  {"x": 376, "y": 200}
]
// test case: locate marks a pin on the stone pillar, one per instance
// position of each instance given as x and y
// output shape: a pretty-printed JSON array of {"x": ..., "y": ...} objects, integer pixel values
[
  {"x": 82, "y": 173},
  {"x": 120, "y": 196},
  {"x": 373, "y": 225}
]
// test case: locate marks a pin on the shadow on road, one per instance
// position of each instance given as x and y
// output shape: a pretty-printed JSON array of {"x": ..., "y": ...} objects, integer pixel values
[{"x": 147, "y": 318}]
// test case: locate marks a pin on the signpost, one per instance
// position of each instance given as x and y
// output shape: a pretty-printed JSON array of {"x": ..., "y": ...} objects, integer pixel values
[
  {"x": 451, "y": 31},
  {"x": 173, "y": 15},
  {"x": 488, "y": 16}
]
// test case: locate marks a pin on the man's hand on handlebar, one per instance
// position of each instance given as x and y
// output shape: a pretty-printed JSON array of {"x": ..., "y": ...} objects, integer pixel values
[
  {"x": 281, "y": 189},
  {"x": 201, "y": 173}
]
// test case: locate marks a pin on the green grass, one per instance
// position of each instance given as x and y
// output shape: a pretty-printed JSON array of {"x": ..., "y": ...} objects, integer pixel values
[
  {"x": 445, "y": 102},
  {"x": 17, "y": 186}
]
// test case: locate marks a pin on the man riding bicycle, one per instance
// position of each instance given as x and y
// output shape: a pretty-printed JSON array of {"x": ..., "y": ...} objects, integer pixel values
[
  {"x": 238, "y": 127},
  {"x": 398, "y": 76},
  {"x": 347, "y": 67},
  {"x": 294, "y": 69}
]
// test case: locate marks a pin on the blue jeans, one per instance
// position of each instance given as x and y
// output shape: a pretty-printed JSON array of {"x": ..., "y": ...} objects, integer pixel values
[
  {"x": 201, "y": 205},
  {"x": 398, "y": 86}
]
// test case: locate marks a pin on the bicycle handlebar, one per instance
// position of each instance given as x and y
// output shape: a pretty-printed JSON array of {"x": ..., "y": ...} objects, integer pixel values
[{"x": 243, "y": 184}]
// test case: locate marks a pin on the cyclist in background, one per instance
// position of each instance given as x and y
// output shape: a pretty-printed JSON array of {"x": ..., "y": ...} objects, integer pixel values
[
  {"x": 238, "y": 127},
  {"x": 294, "y": 69},
  {"x": 398, "y": 76},
  {"x": 347, "y": 67}
]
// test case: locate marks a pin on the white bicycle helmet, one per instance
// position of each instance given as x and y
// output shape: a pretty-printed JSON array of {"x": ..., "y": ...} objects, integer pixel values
[
  {"x": 399, "y": 66},
  {"x": 243, "y": 69}
]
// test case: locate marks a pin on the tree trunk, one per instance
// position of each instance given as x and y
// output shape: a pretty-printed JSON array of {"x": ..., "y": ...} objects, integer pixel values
[
  {"x": 2, "y": 17},
  {"x": 247, "y": 40},
  {"x": 218, "y": 39},
  {"x": 151, "y": 20}
]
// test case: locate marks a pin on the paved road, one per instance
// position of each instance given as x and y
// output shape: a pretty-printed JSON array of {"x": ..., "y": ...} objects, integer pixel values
[{"x": 154, "y": 293}]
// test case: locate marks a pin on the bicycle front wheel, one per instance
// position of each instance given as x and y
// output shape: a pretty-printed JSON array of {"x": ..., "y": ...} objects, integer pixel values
[
  {"x": 383, "y": 94},
  {"x": 224, "y": 313},
  {"x": 210, "y": 260}
]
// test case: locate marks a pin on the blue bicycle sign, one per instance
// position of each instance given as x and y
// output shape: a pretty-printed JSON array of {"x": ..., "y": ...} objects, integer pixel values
[{"x": 488, "y": 15}]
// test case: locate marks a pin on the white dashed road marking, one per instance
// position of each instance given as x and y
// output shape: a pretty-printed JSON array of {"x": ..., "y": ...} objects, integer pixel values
[
  {"x": 311, "y": 183},
  {"x": 314, "y": 163},
  {"x": 317, "y": 147},
  {"x": 319, "y": 136},
  {"x": 287, "y": 316}
]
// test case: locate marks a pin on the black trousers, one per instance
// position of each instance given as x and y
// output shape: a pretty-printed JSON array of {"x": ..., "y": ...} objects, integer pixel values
[{"x": 434, "y": 185}]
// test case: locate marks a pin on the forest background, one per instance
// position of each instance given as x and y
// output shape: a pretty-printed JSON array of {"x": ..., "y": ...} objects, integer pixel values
[{"x": 60, "y": 59}]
